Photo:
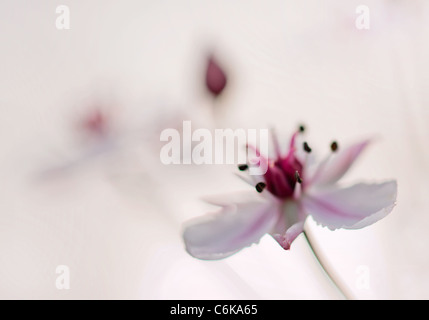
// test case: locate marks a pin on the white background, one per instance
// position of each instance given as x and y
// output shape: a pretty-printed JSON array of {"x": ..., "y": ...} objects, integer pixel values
[{"x": 112, "y": 213}]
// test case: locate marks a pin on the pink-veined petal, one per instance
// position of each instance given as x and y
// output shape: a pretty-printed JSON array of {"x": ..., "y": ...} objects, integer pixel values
[
  {"x": 337, "y": 164},
  {"x": 290, "y": 224},
  {"x": 232, "y": 198},
  {"x": 286, "y": 239},
  {"x": 237, "y": 225},
  {"x": 353, "y": 207}
]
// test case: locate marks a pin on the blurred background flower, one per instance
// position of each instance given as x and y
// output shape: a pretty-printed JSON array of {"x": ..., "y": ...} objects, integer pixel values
[{"x": 128, "y": 70}]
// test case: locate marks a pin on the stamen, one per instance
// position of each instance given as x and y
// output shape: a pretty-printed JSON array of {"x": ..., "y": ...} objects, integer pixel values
[
  {"x": 298, "y": 177},
  {"x": 306, "y": 147},
  {"x": 301, "y": 128},
  {"x": 243, "y": 167},
  {"x": 334, "y": 146},
  {"x": 260, "y": 187}
]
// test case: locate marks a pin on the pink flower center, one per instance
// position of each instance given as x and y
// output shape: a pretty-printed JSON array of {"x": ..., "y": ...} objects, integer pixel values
[
  {"x": 282, "y": 175},
  {"x": 284, "y": 171}
]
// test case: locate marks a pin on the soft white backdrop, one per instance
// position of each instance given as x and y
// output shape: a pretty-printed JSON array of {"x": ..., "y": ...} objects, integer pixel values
[{"x": 111, "y": 212}]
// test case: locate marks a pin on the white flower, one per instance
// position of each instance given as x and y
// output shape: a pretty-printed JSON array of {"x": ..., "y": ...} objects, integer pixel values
[{"x": 294, "y": 187}]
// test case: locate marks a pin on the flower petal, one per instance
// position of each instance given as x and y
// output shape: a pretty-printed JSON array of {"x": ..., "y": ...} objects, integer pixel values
[
  {"x": 354, "y": 207},
  {"x": 235, "y": 226},
  {"x": 290, "y": 224},
  {"x": 290, "y": 235},
  {"x": 337, "y": 164}
]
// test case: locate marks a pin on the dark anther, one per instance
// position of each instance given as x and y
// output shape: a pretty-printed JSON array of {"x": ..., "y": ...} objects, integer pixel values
[
  {"x": 298, "y": 177},
  {"x": 334, "y": 146},
  {"x": 243, "y": 167},
  {"x": 301, "y": 128},
  {"x": 306, "y": 147},
  {"x": 260, "y": 187}
]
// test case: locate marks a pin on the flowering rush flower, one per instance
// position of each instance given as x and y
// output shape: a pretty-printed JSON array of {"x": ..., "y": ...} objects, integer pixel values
[{"x": 294, "y": 187}]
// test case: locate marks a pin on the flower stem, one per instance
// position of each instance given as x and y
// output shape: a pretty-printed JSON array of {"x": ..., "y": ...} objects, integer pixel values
[{"x": 342, "y": 288}]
